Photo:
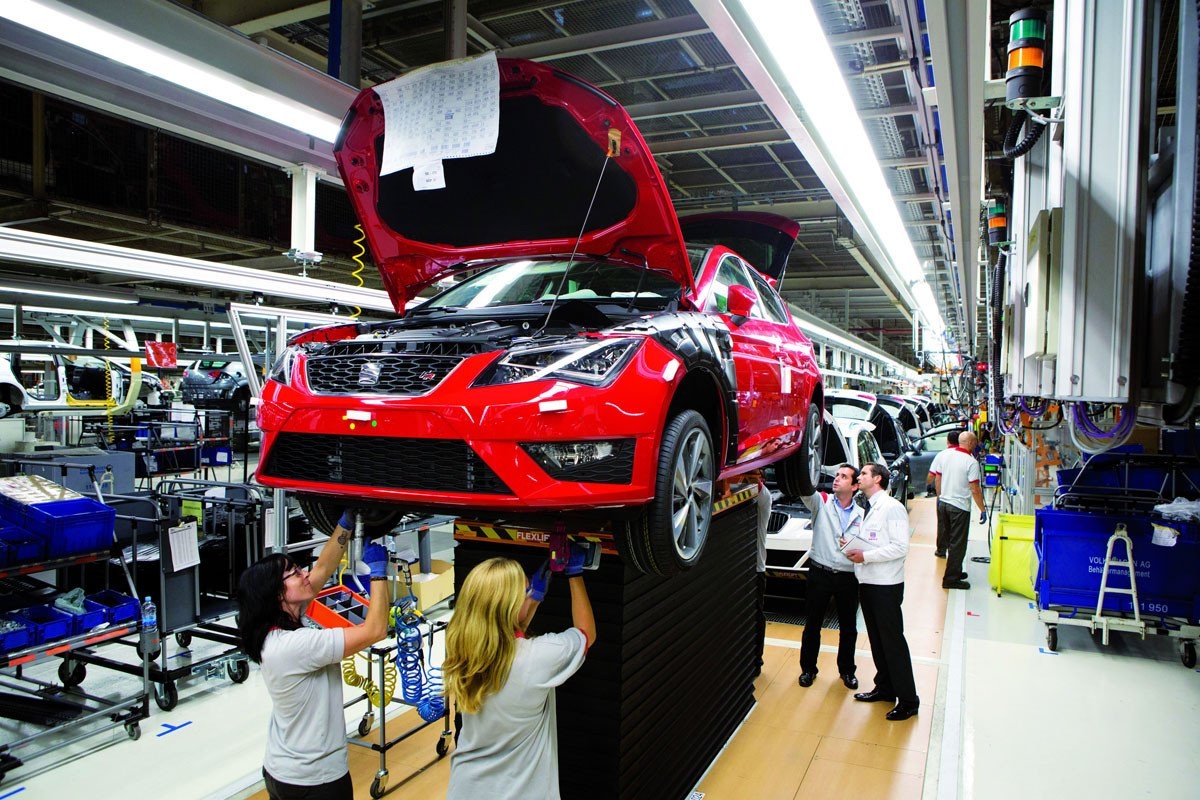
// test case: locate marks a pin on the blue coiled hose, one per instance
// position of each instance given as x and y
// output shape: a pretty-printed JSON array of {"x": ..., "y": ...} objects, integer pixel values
[{"x": 419, "y": 687}]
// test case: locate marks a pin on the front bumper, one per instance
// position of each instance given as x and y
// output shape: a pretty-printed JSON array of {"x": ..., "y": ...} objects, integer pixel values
[{"x": 460, "y": 446}]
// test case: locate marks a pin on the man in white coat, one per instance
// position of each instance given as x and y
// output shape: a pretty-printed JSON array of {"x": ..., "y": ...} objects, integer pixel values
[{"x": 878, "y": 553}]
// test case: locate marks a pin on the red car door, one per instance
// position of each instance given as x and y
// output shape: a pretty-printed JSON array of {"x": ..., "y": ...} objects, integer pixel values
[{"x": 756, "y": 361}]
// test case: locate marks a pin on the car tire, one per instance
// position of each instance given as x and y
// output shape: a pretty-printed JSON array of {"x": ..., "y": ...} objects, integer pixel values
[
  {"x": 669, "y": 536},
  {"x": 799, "y": 473},
  {"x": 324, "y": 512}
]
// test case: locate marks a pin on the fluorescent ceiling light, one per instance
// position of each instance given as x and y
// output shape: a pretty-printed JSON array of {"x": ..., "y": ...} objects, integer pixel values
[
  {"x": 796, "y": 40},
  {"x": 96, "y": 36},
  {"x": 119, "y": 296}
]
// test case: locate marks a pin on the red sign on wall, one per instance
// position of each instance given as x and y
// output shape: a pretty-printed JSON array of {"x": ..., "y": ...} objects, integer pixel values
[{"x": 160, "y": 354}]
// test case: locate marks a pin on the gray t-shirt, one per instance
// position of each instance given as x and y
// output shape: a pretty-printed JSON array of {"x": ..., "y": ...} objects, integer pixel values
[
  {"x": 306, "y": 738},
  {"x": 509, "y": 749}
]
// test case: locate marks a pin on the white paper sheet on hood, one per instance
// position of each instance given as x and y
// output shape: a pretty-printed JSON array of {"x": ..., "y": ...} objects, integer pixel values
[{"x": 448, "y": 110}]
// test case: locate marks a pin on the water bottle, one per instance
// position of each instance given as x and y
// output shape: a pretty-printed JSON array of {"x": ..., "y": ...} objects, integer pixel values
[{"x": 149, "y": 643}]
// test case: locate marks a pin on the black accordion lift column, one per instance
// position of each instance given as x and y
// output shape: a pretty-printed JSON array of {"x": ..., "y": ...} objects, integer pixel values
[{"x": 670, "y": 676}]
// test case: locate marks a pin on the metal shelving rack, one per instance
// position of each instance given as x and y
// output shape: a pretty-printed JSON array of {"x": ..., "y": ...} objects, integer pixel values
[{"x": 95, "y": 714}]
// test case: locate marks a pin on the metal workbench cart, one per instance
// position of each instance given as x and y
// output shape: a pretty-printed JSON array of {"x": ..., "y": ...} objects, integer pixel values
[
  {"x": 407, "y": 652},
  {"x": 194, "y": 600},
  {"x": 1108, "y": 562}
]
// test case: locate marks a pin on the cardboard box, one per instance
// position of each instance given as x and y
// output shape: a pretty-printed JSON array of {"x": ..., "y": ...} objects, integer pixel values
[{"x": 431, "y": 588}]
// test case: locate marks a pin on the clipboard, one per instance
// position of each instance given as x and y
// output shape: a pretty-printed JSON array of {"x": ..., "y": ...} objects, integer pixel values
[{"x": 863, "y": 544}]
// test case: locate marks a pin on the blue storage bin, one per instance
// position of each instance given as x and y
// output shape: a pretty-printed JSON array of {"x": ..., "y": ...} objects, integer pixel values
[
  {"x": 46, "y": 623},
  {"x": 1071, "y": 547},
  {"x": 93, "y": 614},
  {"x": 21, "y": 547},
  {"x": 120, "y": 607},
  {"x": 15, "y": 639},
  {"x": 72, "y": 527}
]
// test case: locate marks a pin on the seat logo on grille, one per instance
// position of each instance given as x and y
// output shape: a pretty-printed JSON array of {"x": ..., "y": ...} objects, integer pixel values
[
  {"x": 368, "y": 374},
  {"x": 427, "y": 375}
]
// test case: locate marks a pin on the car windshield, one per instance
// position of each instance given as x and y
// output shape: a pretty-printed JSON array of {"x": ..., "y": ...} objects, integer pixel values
[
  {"x": 517, "y": 282},
  {"x": 936, "y": 444},
  {"x": 848, "y": 409}
]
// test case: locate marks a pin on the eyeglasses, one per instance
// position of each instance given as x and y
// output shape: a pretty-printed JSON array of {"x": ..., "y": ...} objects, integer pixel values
[{"x": 295, "y": 570}]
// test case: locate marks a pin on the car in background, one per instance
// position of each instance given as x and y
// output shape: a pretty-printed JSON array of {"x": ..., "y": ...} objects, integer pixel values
[
  {"x": 892, "y": 440},
  {"x": 904, "y": 413},
  {"x": 69, "y": 381},
  {"x": 218, "y": 382},
  {"x": 922, "y": 452},
  {"x": 593, "y": 369}
]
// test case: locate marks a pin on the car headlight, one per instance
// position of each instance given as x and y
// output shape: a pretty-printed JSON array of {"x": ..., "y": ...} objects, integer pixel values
[
  {"x": 281, "y": 372},
  {"x": 589, "y": 361}
]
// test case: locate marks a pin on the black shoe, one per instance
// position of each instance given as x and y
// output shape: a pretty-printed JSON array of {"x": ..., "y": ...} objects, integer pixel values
[
  {"x": 903, "y": 711},
  {"x": 940, "y": 553},
  {"x": 850, "y": 681},
  {"x": 807, "y": 678},
  {"x": 875, "y": 696},
  {"x": 959, "y": 584}
]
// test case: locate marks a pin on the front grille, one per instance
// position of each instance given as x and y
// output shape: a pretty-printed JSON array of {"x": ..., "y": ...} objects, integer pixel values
[
  {"x": 435, "y": 465},
  {"x": 407, "y": 374}
]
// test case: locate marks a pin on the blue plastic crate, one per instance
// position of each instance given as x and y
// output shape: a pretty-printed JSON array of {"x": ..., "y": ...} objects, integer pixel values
[
  {"x": 21, "y": 546},
  {"x": 72, "y": 527},
  {"x": 46, "y": 623},
  {"x": 120, "y": 607},
  {"x": 93, "y": 614},
  {"x": 1071, "y": 547},
  {"x": 15, "y": 639}
]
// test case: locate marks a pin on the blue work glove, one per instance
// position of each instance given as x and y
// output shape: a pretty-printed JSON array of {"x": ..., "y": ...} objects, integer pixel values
[
  {"x": 347, "y": 520},
  {"x": 539, "y": 582},
  {"x": 577, "y": 559},
  {"x": 375, "y": 556},
  {"x": 982, "y": 517}
]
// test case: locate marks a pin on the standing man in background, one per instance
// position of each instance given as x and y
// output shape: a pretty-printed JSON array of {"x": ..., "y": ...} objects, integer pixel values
[
  {"x": 935, "y": 469},
  {"x": 764, "y": 520},
  {"x": 878, "y": 554},
  {"x": 830, "y": 574},
  {"x": 957, "y": 485}
]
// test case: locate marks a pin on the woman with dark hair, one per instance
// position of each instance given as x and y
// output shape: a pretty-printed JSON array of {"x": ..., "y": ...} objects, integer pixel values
[{"x": 306, "y": 738}]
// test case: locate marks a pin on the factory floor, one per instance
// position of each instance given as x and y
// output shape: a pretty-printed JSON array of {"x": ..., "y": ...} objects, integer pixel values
[{"x": 1000, "y": 717}]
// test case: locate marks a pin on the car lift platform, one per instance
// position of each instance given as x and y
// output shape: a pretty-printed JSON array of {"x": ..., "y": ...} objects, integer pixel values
[{"x": 629, "y": 725}]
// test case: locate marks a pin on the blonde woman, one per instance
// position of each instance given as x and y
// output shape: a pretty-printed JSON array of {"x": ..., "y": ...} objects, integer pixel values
[{"x": 504, "y": 683}]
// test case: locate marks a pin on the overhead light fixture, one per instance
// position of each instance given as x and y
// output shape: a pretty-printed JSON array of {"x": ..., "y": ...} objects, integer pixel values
[
  {"x": 98, "y": 294},
  {"x": 795, "y": 38},
  {"x": 97, "y": 36}
]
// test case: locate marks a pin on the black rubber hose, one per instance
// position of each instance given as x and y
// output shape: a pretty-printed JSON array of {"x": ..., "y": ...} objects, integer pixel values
[
  {"x": 998, "y": 330},
  {"x": 1186, "y": 369},
  {"x": 1013, "y": 150}
]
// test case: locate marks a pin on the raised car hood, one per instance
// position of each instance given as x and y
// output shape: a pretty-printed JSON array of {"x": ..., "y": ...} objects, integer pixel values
[
  {"x": 528, "y": 198},
  {"x": 763, "y": 239}
]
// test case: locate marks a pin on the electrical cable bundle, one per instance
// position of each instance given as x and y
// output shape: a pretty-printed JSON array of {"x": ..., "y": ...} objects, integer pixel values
[{"x": 1087, "y": 434}]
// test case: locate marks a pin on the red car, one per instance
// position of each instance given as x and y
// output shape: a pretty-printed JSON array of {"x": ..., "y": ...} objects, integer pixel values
[{"x": 591, "y": 368}]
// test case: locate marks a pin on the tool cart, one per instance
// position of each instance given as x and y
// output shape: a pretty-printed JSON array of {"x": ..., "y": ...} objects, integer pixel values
[
  {"x": 48, "y": 528},
  {"x": 1109, "y": 562},
  {"x": 196, "y": 538},
  {"x": 400, "y": 664}
]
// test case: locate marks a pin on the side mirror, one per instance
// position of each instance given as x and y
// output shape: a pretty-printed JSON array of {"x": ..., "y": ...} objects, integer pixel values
[{"x": 741, "y": 300}]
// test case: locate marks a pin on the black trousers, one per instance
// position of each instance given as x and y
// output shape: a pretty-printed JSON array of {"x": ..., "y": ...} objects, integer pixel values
[
  {"x": 341, "y": 789},
  {"x": 957, "y": 524},
  {"x": 842, "y": 587},
  {"x": 889, "y": 648}
]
